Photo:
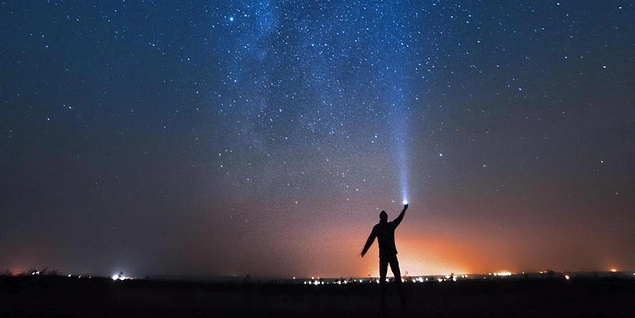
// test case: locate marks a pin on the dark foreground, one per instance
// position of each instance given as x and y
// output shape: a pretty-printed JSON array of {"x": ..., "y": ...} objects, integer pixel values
[{"x": 72, "y": 297}]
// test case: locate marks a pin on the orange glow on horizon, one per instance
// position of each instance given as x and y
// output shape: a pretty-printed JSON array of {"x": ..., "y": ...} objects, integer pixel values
[{"x": 419, "y": 255}]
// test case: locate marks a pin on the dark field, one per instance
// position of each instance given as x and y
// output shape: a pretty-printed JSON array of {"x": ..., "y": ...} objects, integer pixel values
[{"x": 73, "y": 297}]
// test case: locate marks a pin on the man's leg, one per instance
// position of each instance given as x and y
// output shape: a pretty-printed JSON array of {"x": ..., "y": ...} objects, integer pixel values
[
  {"x": 383, "y": 270},
  {"x": 394, "y": 267}
]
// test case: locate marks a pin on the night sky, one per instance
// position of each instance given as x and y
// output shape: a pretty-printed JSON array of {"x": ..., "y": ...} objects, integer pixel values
[{"x": 264, "y": 137}]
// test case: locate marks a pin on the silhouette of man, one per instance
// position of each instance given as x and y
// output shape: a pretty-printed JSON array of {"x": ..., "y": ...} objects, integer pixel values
[{"x": 384, "y": 231}]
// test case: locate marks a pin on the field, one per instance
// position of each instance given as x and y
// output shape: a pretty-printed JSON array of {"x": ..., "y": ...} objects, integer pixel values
[{"x": 28, "y": 296}]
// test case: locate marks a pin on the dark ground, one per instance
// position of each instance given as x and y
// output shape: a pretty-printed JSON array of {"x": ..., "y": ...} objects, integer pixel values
[{"x": 32, "y": 296}]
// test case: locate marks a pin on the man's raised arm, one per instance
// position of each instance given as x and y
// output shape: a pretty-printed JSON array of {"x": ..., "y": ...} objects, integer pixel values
[
  {"x": 400, "y": 217},
  {"x": 369, "y": 242}
]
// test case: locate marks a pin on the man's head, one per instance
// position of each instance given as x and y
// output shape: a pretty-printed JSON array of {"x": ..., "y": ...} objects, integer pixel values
[{"x": 383, "y": 217}]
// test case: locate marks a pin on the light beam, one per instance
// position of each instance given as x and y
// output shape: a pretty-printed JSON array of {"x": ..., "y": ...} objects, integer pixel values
[{"x": 400, "y": 129}]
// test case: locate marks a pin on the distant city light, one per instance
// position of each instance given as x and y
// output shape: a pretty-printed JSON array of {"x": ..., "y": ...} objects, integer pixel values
[
  {"x": 444, "y": 278},
  {"x": 119, "y": 276},
  {"x": 503, "y": 274},
  {"x": 613, "y": 270}
]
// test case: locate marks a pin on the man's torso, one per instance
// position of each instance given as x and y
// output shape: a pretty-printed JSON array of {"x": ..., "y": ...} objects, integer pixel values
[{"x": 385, "y": 233}]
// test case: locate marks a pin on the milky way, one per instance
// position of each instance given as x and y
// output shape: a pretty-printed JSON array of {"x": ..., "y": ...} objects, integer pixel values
[{"x": 329, "y": 79}]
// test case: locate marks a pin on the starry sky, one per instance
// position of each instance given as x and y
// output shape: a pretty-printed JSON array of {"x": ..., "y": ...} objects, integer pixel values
[{"x": 264, "y": 137}]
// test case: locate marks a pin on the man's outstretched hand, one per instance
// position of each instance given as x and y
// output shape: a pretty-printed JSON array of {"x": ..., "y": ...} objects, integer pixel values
[
  {"x": 363, "y": 253},
  {"x": 405, "y": 206}
]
